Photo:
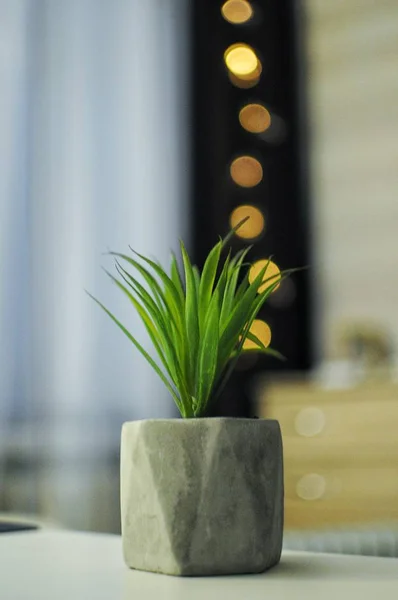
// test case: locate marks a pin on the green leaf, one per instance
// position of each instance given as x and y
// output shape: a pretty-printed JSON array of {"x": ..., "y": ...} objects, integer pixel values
[
  {"x": 168, "y": 343},
  {"x": 242, "y": 288},
  {"x": 242, "y": 307},
  {"x": 148, "y": 322},
  {"x": 176, "y": 278},
  {"x": 139, "y": 289},
  {"x": 226, "y": 369},
  {"x": 151, "y": 281},
  {"x": 175, "y": 306},
  {"x": 191, "y": 315},
  {"x": 230, "y": 287},
  {"x": 207, "y": 282},
  {"x": 269, "y": 351},
  {"x": 208, "y": 355},
  {"x": 256, "y": 340},
  {"x": 222, "y": 280},
  {"x": 242, "y": 313},
  {"x": 144, "y": 353},
  {"x": 261, "y": 348},
  {"x": 160, "y": 312},
  {"x": 233, "y": 231},
  {"x": 197, "y": 279},
  {"x": 167, "y": 282},
  {"x": 172, "y": 309},
  {"x": 155, "y": 325},
  {"x": 196, "y": 323}
]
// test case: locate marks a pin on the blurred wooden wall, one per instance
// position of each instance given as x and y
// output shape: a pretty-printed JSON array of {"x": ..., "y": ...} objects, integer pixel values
[{"x": 352, "y": 48}]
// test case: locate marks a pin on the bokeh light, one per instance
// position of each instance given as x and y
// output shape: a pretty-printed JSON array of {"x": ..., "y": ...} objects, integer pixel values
[
  {"x": 246, "y": 171},
  {"x": 237, "y": 11},
  {"x": 271, "y": 276},
  {"x": 261, "y": 330},
  {"x": 253, "y": 226},
  {"x": 245, "y": 83},
  {"x": 255, "y": 118},
  {"x": 241, "y": 60}
]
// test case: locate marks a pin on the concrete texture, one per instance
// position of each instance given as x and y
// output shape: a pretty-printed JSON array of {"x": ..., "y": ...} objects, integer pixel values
[{"x": 202, "y": 496}]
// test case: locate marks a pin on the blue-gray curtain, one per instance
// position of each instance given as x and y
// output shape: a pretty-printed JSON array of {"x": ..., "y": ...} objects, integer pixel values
[{"x": 93, "y": 156}]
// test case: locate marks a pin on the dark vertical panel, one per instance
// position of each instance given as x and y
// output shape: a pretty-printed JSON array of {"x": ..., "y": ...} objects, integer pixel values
[{"x": 275, "y": 33}]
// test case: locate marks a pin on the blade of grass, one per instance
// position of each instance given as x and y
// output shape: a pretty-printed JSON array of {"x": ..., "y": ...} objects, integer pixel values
[
  {"x": 242, "y": 307},
  {"x": 261, "y": 348},
  {"x": 176, "y": 306},
  {"x": 176, "y": 277},
  {"x": 159, "y": 312},
  {"x": 233, "y": 231},
  {"x": 152, "y": 318},
  {"x": 229, "y": 292},
  {"x": 197, "y": 279},
  {"x": 155, "y": 332},
  {"x": 144, "y": 354},
  {"x": 172, "y": 310},
  {"x": 167, "y": 342},
  {"x": 269, "y": 351},
  {"x": 226, "y": 369},
  {"x": 242, "y": 313},
  {"x": 207, "y": 281},
  {"x": 222, "y": 280},
  {"x": 155, "y": 309},
  {"x": 191, "y": 315},
  {"x": 256, "y": 340},
  {"x": 208, "y": 356},
  {"x": 167, "y": 282}
]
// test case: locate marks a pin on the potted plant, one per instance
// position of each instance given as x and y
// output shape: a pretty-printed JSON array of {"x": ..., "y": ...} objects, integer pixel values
[{"x": 199, "y": 495}]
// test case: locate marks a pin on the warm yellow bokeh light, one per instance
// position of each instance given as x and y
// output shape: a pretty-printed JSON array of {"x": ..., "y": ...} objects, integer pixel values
[
  {"x": 247, "y": 80},
  {"x": 250, "y": 77},
  {"x": 243, "y": 84},
  {"x": 241, "y": 60},
  {"x": 271, "y": 275},
  {"x": 246, "y": 171},
  {"x": 237, "y": 11},
  {"x": 255, "y": 118},
  {"x": 261, "y": 330},
  {"x": 252, "y": 227}
]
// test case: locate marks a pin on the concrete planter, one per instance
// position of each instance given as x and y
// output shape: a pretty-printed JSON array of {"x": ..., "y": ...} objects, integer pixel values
[{"x": 202, "y": 496}]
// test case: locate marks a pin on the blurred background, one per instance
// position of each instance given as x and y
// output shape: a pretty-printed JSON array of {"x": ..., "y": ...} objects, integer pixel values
[{"x": 140, "y": 123}]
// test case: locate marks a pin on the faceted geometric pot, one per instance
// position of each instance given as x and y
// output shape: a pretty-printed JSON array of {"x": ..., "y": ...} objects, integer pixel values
[{"x": 202, "y": 496}]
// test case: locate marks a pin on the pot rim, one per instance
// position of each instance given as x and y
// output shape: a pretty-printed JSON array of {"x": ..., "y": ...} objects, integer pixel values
[{"x": 191, "y": 420}]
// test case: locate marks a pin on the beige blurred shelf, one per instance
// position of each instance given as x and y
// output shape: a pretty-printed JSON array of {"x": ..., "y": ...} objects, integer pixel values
[{"x": 341, "y": 452}]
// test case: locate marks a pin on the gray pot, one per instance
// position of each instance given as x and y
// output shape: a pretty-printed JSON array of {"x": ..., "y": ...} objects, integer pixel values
[{"x": 202, "y": 496}]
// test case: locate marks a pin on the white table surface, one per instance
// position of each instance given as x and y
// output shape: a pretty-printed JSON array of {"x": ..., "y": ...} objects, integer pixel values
[{"x": 63, "y": 565}]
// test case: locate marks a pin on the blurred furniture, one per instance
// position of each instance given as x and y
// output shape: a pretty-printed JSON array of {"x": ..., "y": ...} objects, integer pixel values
[
  {"x": 341, "y": 452},
  {"x": 77, "y": 488},
  {"x": 10, "y": 521},
  {"x": 68, "y": 565},
  {"x": 365, "y": 540}
]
